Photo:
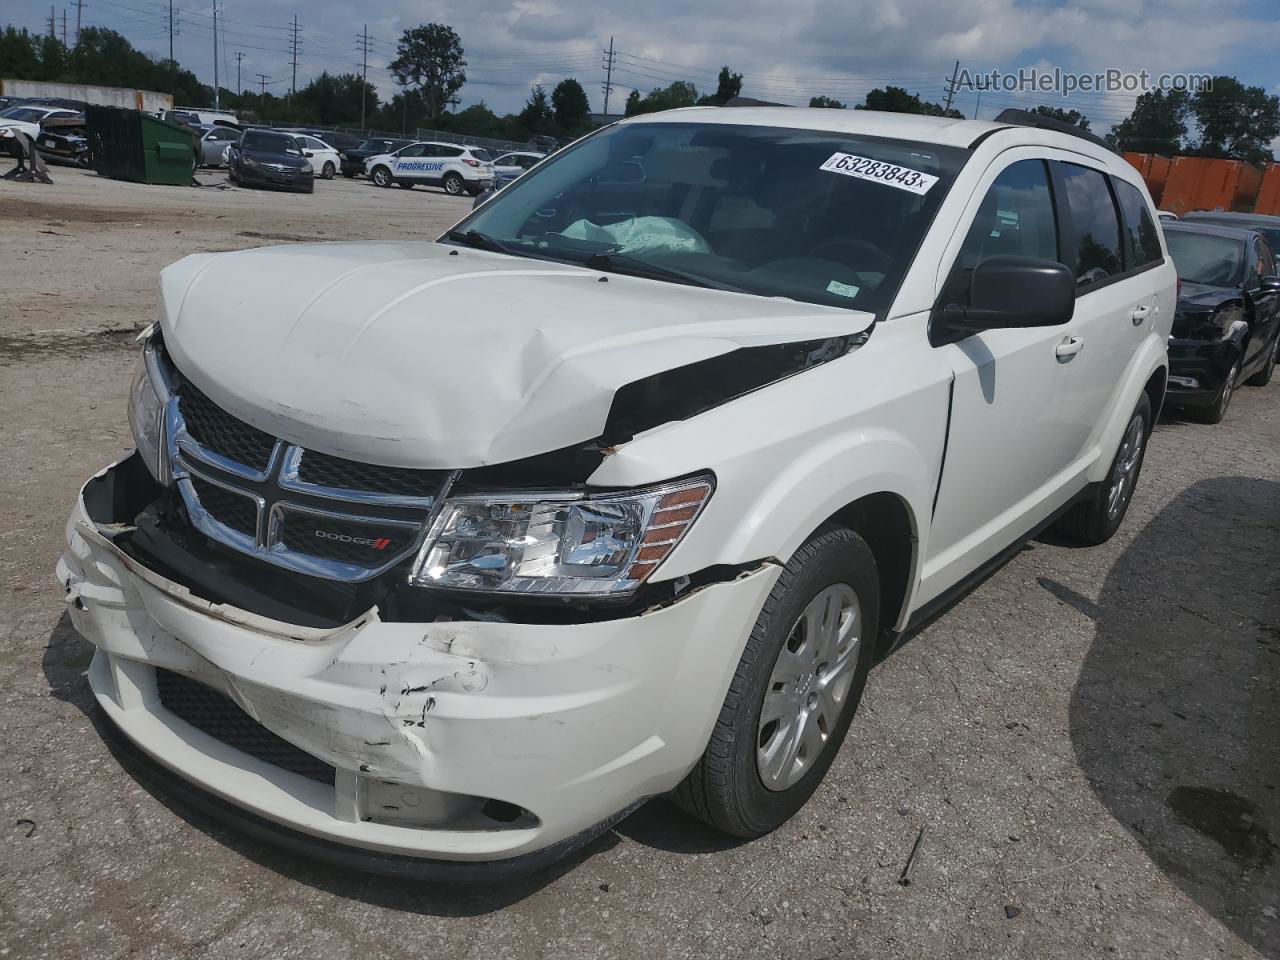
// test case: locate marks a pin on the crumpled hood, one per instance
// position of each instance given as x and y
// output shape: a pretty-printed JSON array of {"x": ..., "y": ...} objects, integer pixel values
[{"x": 426, "y": 355}]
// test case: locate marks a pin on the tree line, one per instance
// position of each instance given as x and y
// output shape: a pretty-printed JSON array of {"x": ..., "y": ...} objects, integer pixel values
[{"x": 1226, "y": 119}]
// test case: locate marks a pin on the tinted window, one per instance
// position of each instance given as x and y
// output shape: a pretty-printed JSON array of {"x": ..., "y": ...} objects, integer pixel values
[
  {"x": 448, "y": 152},
  {"x": 817, "y": 216},
  {"x": 481, "y": 155},
  {"x": 270, "y": 143},
  {"x": 1206, "y": 258},
  {"x": 1141, "y": 239},
  {"x": 1266, "y": 261},
  {"x": 413, "y": 150},
  {"x": 1098, "y": 250}
]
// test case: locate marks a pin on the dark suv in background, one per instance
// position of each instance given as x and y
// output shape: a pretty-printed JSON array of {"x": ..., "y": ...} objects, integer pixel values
[{"x": 353, "y": 158}]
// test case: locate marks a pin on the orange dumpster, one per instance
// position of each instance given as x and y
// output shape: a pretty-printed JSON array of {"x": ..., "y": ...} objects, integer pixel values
[
  {"x": 1269, "y": 194},
  {"x": 1154, "y": 169},
  {"x": 1209, "y": 183}
]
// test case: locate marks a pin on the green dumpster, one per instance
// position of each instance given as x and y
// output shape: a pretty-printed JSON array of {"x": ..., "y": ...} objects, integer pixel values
[{"x": 131, "y": 145}]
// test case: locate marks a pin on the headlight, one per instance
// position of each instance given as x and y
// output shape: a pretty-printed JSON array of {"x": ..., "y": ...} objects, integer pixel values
[
  {"x": 307, "y": 168},
  {"x": 558, "y": 545},
  {"x": 147, "y": 399}
]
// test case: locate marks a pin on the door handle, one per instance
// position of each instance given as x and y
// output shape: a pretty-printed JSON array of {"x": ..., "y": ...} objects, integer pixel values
[
  {"x": 1068, "y": 348},
  {"x": 1140, "y": 313}
]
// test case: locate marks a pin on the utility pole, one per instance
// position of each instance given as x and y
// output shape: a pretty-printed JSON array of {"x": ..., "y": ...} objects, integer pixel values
[
  {"x": 607, "y": 86},
  {"x": 977, "y": 104},
  {"x": 53, "y": 29},
  {"x": 295, "y": 44},
  {"x": 951, "y": 85},
  {"x": 79, "y": 7},
  {"x": 64, "y": 26},
  {"x": 263, "y": 80},
  {"x": 239, "y": 57},
  {"x": 217, "y": 99},
  {"x": 364, "y": 72},
  {"x": 171, "y": 31}
]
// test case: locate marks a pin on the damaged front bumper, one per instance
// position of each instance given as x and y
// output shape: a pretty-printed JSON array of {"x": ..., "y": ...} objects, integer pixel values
[{"x": 395, "y": 745}]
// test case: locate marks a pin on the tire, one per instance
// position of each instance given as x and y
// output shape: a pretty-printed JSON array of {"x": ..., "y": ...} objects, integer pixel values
[
  {"x": 453, "y": 185},
  {"x": 328, "y": 170},
  {"x": 1263, "y": 376},
  {"x": 1095, "y": 519},
  {"x": 728, "y": 787},
  {"x": 1217, "y": 411},
  {"x": 381, "y": 176}
]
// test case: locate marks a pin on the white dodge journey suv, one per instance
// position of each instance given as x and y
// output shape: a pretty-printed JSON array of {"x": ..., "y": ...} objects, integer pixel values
[{"x": 437, "y": 558}]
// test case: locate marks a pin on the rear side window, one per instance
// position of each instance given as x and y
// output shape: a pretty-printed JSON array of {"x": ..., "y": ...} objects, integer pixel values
[
  {"x": 481, "y": 154},
  {"x": 448, "y": 152},
  {"x": 1142, "y": 242},
  {"x": 1016, "y": 218},
  {"x": 1093, "y": 211},
  {"x": 1266, "y": 260}
]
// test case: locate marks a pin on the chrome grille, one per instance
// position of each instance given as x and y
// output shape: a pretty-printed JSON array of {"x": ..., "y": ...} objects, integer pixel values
[
  {"x": 306, "y": 511},
  {"x": 215, "y": 429}
]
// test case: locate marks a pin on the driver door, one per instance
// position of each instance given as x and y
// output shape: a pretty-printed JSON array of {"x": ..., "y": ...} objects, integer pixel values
[{"x": 1010, "y": 447}]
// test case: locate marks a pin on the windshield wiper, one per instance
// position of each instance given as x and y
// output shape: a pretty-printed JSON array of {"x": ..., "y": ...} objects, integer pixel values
[
  {"x": 617, "y": 262},
  {"x": 481, "y": 241}
]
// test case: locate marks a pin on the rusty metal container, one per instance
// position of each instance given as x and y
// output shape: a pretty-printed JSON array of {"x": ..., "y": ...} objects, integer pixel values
[
  {"x": 1209, "y": 183},
  {"x": 1154, "y": 169},
  {"x": 1269, "y": 192}
]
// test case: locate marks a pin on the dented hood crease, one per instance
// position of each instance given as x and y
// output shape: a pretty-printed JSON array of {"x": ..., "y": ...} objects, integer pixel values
[{"x": 424, "y": 355}]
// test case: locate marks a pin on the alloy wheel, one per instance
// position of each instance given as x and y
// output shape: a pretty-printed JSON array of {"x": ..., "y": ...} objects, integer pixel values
[
  {"x": 1124, "y": 474},
  {"x": 809, "y": 686}
]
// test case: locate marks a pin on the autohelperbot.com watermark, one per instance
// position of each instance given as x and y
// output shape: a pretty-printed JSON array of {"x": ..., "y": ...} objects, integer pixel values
[{"x": 1065, "y": 82}]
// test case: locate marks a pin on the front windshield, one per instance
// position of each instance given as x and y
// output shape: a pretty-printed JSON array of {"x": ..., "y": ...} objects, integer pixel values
[
  {"x": 1206, "y": 258},
  {"x": 24, "y": 113},
  {"x": 272, "y": 143},
  {"x": 821, "y": 217}
]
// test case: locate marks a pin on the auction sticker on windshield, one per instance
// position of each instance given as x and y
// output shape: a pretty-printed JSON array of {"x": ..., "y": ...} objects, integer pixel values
[{"x": 890, "y": 174}]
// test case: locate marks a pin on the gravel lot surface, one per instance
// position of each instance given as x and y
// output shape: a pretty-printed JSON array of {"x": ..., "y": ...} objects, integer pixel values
[{"x": 1090, "y": 740}]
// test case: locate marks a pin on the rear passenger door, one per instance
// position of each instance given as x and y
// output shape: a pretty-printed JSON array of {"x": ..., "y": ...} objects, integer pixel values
[{"x": 1115, "y": 301}]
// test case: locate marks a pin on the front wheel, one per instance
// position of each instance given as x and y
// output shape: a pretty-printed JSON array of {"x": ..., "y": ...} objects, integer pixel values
[
  {"x": 795, "y": 691},
  {"x": 1217, "y": 412},
  {"x": 453, "y": 185},
  {"x": 1263, "y": 376},
  {"x": 328, "y": 170},
  {"x": 1096, "y": 518},
  {"x": 381, "y": 177}
]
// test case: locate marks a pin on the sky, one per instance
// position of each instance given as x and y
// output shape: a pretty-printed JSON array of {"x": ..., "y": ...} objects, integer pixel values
[{"x": 787, "y": 52}]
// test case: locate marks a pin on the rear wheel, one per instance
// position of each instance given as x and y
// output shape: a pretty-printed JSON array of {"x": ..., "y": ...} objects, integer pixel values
[
  {"x": 453, "y": 185},
  {"x": 795, "y": 691},
  {"x": 381, "y": 176},
  {"x": 328, "y": 170},
  {"x": 1096, "y": 518}
]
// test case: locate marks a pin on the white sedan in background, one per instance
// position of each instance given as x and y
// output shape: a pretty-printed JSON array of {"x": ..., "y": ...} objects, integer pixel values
[
  {"x": 27, "y": 117},
  {"x": 511, "y": 165},
  {"x": 323, "y": 157}
]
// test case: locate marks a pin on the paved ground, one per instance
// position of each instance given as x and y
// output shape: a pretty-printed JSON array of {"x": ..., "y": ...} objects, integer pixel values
[{"x": 1089, "y": 740}]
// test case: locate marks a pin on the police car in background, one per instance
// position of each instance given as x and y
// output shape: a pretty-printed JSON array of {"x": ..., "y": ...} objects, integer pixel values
[{"x": 457, "y": 168}]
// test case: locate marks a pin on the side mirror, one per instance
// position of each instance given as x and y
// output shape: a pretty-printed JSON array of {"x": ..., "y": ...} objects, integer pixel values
[
  {"x": 1008, "y": 292},
  {"x": 1271, "y": 284}
]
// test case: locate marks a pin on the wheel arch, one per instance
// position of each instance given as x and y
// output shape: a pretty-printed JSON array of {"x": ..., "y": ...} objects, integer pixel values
[{"x": 888, "y": 525}]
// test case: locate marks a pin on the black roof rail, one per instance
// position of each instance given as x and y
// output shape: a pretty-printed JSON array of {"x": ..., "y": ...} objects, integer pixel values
[{"x": 1029, "y": 118}]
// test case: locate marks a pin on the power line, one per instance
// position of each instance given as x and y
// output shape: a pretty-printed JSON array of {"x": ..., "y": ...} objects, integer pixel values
[
  {"x": 364, "y": 72},
  {"x": 951, "y": 86},
  {"x": 607, "y": 86},
  {"x": 295, "y": 44}
]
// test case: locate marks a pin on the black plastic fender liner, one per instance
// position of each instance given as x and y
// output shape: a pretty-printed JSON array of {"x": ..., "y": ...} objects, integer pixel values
[{"x": 687, "y": 391}]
